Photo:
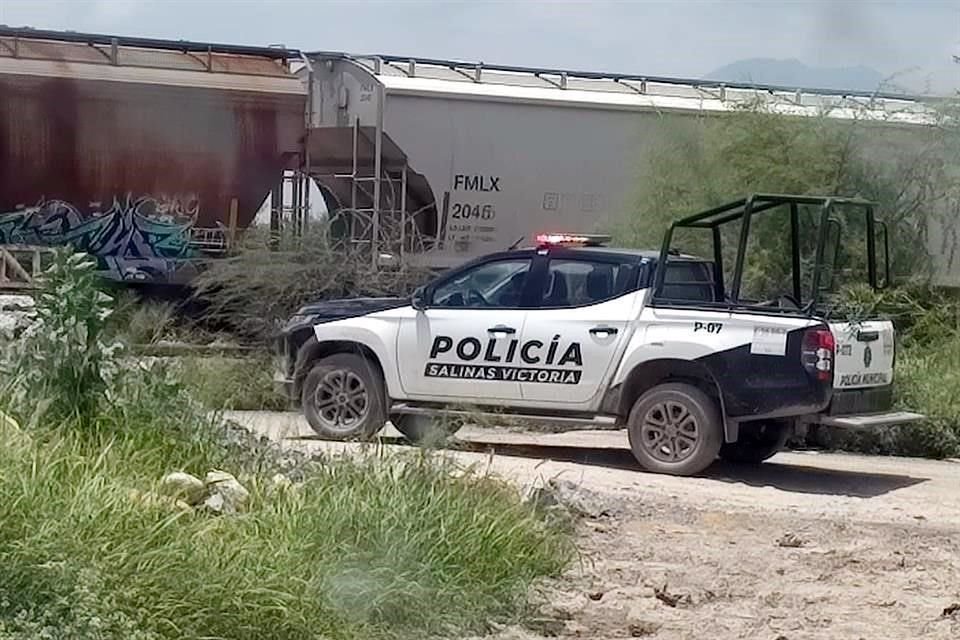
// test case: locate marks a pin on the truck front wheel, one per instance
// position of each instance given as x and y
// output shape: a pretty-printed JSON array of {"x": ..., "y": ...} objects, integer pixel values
[
  {"x": 343, "y": 398},
  {"x": 675, "y": 428},
  {"x": 757, "y": 442}
]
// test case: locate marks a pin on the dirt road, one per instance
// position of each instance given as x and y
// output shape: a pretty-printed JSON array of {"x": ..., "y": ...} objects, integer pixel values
[{"x": 807, "y": 546}]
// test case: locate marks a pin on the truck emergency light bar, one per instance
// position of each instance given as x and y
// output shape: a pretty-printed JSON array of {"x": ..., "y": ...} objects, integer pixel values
[{"x": 570, "y": 240}]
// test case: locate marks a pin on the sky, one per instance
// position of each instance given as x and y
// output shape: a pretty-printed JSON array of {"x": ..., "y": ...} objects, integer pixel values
[{"x": 912, "y": 41}]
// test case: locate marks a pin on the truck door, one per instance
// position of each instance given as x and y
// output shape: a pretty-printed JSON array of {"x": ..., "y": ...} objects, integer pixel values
[
  {"x": 463, "y": 345},
  {"x": 573, "y": 339}
]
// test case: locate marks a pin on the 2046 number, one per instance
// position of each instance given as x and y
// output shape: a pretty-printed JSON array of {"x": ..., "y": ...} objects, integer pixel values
[{"x": 464, "y": 211}]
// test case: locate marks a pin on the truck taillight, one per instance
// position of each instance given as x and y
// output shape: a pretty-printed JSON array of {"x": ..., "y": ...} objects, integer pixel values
[{"x": 818, "y": 352}]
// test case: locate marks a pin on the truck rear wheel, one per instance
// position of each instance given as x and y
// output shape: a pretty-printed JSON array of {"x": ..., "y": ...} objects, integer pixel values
[
  {"x": 343, "y": 398},
  {"x": 757, "y": 442},
  {"x": 675, "y": 428}
]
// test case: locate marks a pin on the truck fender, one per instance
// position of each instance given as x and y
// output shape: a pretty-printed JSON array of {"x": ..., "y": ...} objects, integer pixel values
[
  {"x": 630, "y": 384},
  {"x": 369, "y": 337}
]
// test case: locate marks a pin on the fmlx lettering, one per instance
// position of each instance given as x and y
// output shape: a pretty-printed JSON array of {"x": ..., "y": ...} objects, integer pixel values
[{"x": 463, "y": 182}]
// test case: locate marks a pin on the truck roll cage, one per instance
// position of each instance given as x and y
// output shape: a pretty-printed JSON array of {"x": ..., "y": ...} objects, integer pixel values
[{"x": 744, "y": 210}]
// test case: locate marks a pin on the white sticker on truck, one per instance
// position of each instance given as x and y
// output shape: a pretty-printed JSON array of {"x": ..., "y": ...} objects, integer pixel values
[{"x": 769, "y": 341}]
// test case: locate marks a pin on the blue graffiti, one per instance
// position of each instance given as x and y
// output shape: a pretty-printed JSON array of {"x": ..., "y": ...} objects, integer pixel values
[
  {"x": 142, "y": 227},
  {"x": 135, "y": 239}
]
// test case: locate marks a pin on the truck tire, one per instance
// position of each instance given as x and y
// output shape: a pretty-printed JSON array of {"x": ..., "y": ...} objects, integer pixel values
[
  {"x": 343, "y": 398},
  {"x": 675, "y": 428},
  {"x": 757, "y": 442},
  {"x": 425, "y": 430}
]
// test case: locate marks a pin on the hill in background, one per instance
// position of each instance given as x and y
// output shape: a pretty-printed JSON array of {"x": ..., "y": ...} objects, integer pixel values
[{"x": 793, "y": 73}]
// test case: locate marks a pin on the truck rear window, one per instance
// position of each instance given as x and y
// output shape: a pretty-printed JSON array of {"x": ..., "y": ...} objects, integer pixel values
[{"x": 688, "y": 280}]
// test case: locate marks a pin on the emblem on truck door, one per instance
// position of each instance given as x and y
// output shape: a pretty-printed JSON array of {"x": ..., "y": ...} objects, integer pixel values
[{"x": 867, "y": 356}]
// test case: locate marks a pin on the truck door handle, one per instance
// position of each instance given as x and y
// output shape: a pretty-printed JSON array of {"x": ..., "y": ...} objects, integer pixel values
[
  {"x": 867, "y": 336},
  {"x": 603, "y": 331},
  {"x": 502, "y": 329}
]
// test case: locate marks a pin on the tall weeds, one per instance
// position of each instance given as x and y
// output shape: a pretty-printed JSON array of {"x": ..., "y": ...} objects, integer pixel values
[{"x": 375, "y": 546}]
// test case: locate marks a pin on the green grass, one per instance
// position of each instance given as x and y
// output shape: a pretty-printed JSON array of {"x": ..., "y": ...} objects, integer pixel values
[
  {"x": 927, "y": 380},
  {"x": 372, "y": 547},
  {"x": 239, "y": 384},
  {"x": 369, "y": 547}
]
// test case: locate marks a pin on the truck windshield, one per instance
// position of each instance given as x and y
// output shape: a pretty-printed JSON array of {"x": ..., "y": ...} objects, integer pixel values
[{"x": 497, "y": 284}]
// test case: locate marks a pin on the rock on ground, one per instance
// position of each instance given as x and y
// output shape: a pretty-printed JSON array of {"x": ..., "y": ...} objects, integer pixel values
[
  {"x": 183, "y": 486},
  {"x": 16, "y": 314},
  {"x": 151, "y": 499},
  {"x": 225, "y": 493}
]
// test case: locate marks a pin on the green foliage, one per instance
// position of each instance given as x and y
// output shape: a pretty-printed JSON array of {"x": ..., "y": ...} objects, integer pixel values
[
  {"x": 367, "y": 548},
  {"x": 927, "y": 380},
  {"x": 240, "y": 384},
  {"x": 924, "y": 316},
  {"x": 62, "y": 365},
  {"x": 373, "y": 547},
  {"x": 137, "y": 321},
  {"x": 706, "y": 162},
  {"x": 258, "y": 288}
]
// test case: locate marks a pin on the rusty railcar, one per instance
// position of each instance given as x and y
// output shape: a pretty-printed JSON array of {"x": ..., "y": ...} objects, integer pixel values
[{"x": 146, "y": 153}]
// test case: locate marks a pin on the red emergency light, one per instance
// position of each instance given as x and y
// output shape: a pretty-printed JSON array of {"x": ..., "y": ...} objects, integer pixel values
[{"x": 570, "y": 240}]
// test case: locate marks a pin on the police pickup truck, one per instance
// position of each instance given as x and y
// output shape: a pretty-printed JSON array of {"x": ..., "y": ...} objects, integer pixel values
[{"x": 571, "y": 331}]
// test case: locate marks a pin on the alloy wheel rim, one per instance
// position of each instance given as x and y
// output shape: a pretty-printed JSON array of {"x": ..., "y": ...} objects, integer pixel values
[
  {"x": 669, "y": 432},
  {"x": 341, "y": 401}
]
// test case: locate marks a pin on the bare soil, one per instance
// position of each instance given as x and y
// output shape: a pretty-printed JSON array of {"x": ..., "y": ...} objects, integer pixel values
[{"x": 807, "y": 546}]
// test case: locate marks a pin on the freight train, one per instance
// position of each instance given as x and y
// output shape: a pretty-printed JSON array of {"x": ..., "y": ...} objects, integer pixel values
[
  {"x": 151, "y": 154},
  {"x": 145, "y": 153}
]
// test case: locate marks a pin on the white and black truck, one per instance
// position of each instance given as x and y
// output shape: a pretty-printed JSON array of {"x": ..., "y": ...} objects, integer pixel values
[{"x": 571, "y": 331}]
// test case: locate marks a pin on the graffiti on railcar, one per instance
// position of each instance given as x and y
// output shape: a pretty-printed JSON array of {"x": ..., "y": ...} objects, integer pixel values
[
  {"x": 137, "y": 227},
  {"x": 143, "y": 238}
]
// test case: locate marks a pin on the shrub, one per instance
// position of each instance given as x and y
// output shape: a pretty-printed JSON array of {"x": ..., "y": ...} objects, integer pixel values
[
  {"x": 372, "y": 547},
  {"x": 715, "y": 159},
  {"x": 259, "y": 287},
  {"x": 139, "y": 321},
  {"x": 61, "y": 365},
  {"x": 923, "y": 316},
  {"x": 927, "y": 380}
]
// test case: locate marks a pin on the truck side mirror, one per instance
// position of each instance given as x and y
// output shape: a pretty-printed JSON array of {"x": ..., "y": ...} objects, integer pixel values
[{"x": 419, "y": 299}]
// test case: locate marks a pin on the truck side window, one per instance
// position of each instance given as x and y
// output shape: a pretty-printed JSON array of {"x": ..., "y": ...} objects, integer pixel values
[
  {"x": 688, "y": 280},
  {"x": 490, "y": 285},
  {"x": 577, "y": 283}
]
